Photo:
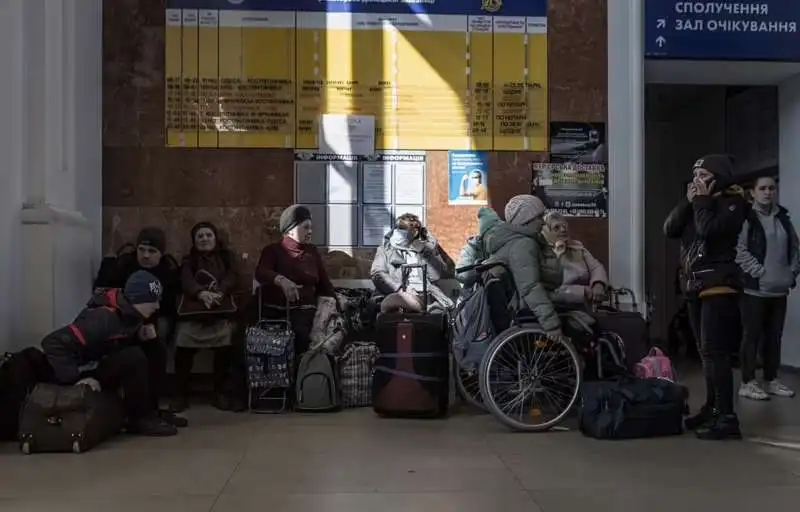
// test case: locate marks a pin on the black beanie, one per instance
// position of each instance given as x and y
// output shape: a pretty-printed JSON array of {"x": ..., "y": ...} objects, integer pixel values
[
  {"x": 292, "y": 216},
  {"x": 154, "y": 237},
  {"x": 721, "y": 166},
  {"x": 142, "y": 288}
]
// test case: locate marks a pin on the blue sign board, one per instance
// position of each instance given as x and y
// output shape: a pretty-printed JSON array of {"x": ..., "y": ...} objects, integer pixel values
[
  {"x": 532, "y": 8},
  {"x": 467, "y": 177},
  {"x": 723, "y": 30}
]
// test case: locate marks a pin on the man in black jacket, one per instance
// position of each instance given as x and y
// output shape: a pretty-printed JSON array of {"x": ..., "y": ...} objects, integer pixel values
[
  {"x": 150, "y": 256},
  {"x": 101, "y": 349},
  {"x": 708, "y": 224}
]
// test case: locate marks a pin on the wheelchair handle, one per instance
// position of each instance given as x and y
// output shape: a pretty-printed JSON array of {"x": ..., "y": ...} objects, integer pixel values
[{"x": 482, "y": 267}]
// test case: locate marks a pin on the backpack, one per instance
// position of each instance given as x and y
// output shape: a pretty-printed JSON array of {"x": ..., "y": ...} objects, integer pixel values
[
  {"x": 109, "y": 266},
  {"x": 629, "y": 408},
  {"x": 317, "y": 386},
  {"x": 479, "y": 317},
  {"x": 355, "y": 367},
  {"x": 19, "y": 373},
  {"x": 656, "y": 365}
]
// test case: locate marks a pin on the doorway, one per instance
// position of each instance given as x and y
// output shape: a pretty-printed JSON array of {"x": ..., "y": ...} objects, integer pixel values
[{"x": 683, "y": 123}]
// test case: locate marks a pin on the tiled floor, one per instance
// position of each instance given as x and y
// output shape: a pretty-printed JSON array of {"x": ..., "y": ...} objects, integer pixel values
[{"x": 354, "y": 462}]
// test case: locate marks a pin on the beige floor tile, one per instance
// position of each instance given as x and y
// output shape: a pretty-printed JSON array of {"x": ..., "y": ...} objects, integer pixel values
[
  {"x": 731, "y": 499},
  {"x": 668, "y": 462},
  {"x": 509, "y": 501},
  {"x": 128, "y": 504},
  {"x": 114, "y": 472}
]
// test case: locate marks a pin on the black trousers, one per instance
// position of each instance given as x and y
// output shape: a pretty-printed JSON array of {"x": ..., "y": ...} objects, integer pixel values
[
  {"x": 127, "y": 369},
  {"x": 155, "y": 351},
  {"x": 762, "y": 325},
  {"x": 716, "y": 325}
]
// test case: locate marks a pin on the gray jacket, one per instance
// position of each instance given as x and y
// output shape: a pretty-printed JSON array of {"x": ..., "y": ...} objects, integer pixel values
[
  {"x": 387, "y": 274},
  {"x": 534, "y": 266},
  {"x": 768, "y": 253}
]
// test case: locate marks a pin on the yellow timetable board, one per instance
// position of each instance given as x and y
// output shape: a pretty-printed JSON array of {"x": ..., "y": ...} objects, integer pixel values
[{"x": 444, "y": 78}]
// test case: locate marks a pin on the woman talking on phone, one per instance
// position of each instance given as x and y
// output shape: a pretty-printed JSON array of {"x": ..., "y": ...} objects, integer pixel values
[{"x": 708, "y": 224}]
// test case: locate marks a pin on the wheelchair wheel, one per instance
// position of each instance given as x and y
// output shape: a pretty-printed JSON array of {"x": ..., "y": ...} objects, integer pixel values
[
  {"x": 528, "y": 382},
  {"x": 468, "y": 386}
]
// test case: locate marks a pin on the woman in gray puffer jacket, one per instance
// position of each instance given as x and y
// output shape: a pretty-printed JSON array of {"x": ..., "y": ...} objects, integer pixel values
[
  {"x": 769, "y": 257},
  {"x": 409, "y": 243}
]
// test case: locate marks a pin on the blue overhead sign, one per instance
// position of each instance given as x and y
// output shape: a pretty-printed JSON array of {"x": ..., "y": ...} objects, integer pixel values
[{"x": 723, "y": 30}]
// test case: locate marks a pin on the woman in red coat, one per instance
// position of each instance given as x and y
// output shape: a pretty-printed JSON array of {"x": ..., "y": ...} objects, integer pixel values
[{"x": 291, "y": 274}]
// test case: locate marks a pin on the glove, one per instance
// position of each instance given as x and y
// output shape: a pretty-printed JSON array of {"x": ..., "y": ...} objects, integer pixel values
[
  {"x": 89, "y": 383},
  {"x": 289, "y": 288}
]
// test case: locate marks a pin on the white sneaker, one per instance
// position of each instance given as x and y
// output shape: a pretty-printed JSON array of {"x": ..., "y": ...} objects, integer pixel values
[
  {"x": 752, "y": 391},
  {"x": 776, "y": 388}
]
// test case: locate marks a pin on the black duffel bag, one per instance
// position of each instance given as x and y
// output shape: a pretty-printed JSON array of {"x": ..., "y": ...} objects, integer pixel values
[
  {"x": 68, "y": 419},
  {"x": 630, "y": 408}
]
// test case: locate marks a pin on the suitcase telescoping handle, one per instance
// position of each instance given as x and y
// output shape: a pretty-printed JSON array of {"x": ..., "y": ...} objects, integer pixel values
[{"x": 406, "y": 270}]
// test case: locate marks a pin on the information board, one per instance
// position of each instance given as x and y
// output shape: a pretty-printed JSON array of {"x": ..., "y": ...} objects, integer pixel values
[
  {"x": 765, "y": 30},
  {"x": 357, "y": 198},
  {"x": 435, "y": 74}
]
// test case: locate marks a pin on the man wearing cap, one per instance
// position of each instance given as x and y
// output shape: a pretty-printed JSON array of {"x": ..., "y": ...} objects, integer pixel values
[
  {"x": 101, "y": 349},
  {"x": 151, "y": 256},
  {"x": 708, "y": 224}
]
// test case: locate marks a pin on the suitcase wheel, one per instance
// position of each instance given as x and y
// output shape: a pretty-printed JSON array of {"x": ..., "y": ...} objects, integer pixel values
[
  {"x": 26, "y": 448},
  {"x": 76, "y": 447}
]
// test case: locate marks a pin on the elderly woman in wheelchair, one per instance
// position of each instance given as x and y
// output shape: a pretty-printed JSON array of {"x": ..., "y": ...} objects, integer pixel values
[{"x": 530, "y": 369}]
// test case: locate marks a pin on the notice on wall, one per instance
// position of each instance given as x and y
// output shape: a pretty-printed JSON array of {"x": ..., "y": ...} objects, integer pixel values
[
  {"x": 409, "y": 183},
  {"x": 573, "y": 189},
  {"x": 346, "y": 134},
  {"x": 377, "y": 221},
  {"x": 467, "y": 173},
  {"x": 583, "y": 143},
  {"x": 354, "y": 199}
]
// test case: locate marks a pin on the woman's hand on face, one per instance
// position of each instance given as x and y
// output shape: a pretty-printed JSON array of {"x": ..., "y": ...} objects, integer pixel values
[
  {"x": 702, "y": 188},
  {"x": 691, "y": 191}
]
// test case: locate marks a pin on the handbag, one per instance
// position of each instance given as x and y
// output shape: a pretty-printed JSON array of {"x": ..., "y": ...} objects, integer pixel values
[{"x": 191, "y": 306}]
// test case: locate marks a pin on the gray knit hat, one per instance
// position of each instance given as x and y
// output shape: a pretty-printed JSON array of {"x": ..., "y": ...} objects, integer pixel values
[{"x": 522, "y": 209}]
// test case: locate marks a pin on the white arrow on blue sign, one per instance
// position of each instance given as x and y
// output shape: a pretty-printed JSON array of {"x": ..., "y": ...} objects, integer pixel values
[{"x": 661, "y": 41}]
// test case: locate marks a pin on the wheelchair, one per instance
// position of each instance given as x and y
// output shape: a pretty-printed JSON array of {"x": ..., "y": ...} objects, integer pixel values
[{"x": 527, "y": 381}]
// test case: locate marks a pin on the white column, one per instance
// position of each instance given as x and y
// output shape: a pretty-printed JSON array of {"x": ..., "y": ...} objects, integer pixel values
[
  {"x": 626, "y": 145},
  {"x": 61, "y": 47},
  {"x": 789, "y": 166},
  {"x": 12, "y": 163}
]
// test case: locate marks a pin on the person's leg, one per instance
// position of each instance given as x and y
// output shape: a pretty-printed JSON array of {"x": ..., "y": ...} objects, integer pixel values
[
  {"x": 694, "y": 308},
  {"x": 302, "y": 322},
  {"x": 753, "y": 311},
  {"x": 720, "y": 315},
  {"x": 127, "y": 370},
  {"x": 771, "y": 346},
  {"x": 222, "y": 367},
  {"x": 184, "y": 361}
]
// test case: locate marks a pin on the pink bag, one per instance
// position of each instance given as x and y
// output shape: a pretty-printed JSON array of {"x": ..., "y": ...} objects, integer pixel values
[{"x": 655, "y": 365}]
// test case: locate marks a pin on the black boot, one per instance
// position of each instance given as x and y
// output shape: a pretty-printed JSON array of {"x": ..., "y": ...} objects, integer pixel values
[
  {"x": 221, "y": 401},
  {"x": 173, "y": 419},
  {"x": 721, "y": 427},
  {"x": 698, "y": 420}
]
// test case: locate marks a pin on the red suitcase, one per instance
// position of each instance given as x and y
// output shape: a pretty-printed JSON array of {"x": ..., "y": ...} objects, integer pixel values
[{"x": 412, "y": 374}]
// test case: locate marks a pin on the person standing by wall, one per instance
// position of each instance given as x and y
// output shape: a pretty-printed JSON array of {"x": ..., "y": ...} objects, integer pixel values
[
  {"x": 769, "y": 257},
  {"x": 708, "y": 224}
]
